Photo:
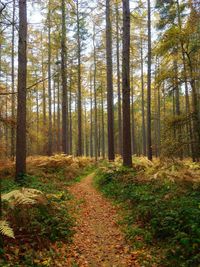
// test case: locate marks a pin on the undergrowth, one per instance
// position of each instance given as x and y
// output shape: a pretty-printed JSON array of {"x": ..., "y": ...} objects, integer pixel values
[
  {"x": 39, "y": 229},
  {"x": 160, "y": 216}
]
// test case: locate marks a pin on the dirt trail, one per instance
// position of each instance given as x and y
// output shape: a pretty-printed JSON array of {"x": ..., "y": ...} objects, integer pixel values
[{"x": 98, "y": 240}]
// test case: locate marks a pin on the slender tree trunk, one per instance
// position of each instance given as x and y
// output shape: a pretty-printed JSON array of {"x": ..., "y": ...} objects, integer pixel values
[
  {"x": 13, "y": 84},
  {"x": 159, "y": 127},
  {"x": 149, "y": 144},
  {"x": 79, "y": 85},
  {"x": 127, "y": 158},
  {"x": 95, "y": 102},
  {"x": 91, "y": 116},
  {"x": 120, "y": 148},
  {"x": 111, "y": 153},
  {"x": 143, "y": 111},
  {"x": 44, "y": 98},
  {"x": 21, "y": 97},
  {"x": 65, "y": 144},
  {"x": 102, "y": 121},
  {"x": 49, "y": 85},
  {"x": 134, "y": 149},
  {"x": 70, "y": 114},
  {"x": 58, "y": 115}
]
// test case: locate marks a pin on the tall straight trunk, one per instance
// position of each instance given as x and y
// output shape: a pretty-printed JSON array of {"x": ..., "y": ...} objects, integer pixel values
[
  {"x": 91, "y": 116},
  {"x": 111, "y": 153},
  {"x": 142, "y": 92},
  {"x": 50, "y": 135},
  {"x": 65, "y": 144},
  {"x": 120, "y": 148},
  {"x": 159, "y": 127},
  {"x": 21, "y": 97},
  {"x": 177, "y": 90},
  {"x": 79, "y": 85},
  {"x": 102, "y": 121},
  {"x": 164, "y": 100},
  {"x": 127, "y": 158},
  {"x": 58, "y": 115},
  {"x": 54, "y": 115},
  {"x": 43, "y": 89},
  {"x": 38, "y": 118},
  {"x": 134, "y": 150},
  {"x": 70, "y": 114},
  {"x": 13, "y": 84},
  {"x": 149, "y": 145},
  {"x": 6, "y": 126},
  {"x": 95, "y": 102},
  {"x": 155, "y": 118},
  {"x": 86, "y": 135}
]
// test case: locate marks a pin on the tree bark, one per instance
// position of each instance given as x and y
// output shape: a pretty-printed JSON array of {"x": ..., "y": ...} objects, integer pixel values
[
  {"x": 111, "y": 153},
  {"x": 21, "y": 97},
  {"x": 49, "y": 86},
  {"x": 120, "y": 148},
  {"x": 79, "y": 85},
  {"x": 127, "y": 158},
  {"x": 13, "y": 131},
  {"x": 149, "y": 144},
  {"x": 65, "y": 143},
  {"x": 143, "y": 104}
]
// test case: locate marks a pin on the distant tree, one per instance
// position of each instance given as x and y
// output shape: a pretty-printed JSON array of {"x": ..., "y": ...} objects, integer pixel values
[
  {"x": 149, "y": 142},
  {"x": 65, "y": 139}
]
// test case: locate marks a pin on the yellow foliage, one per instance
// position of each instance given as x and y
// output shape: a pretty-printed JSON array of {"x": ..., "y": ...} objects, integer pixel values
[
  {"x": 24, "y": 196},
  {"x": 5, "y": 229},
  {"x": 185, "y": 170}
]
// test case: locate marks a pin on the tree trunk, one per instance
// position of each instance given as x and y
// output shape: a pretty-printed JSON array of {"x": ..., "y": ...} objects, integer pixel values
[
  {"x": 21, "y": 97},
  {"x": 79, "y": 85},
  {"x": 127, "y": 158},
  {"x": 91, "y": 116},
  {"x": 102, "y": 121},
  {"x": 120, "y": 148},
  {"x": 95, "y": 101},
  {"x": 143, "y": 111},
  {"x": 49, "y": 85},
  {"x": 65, "y": 144},
  {"x": 149, "y": 145},
  {"x": 13, "y": 84},
  {"x": 111, "y": 153}
]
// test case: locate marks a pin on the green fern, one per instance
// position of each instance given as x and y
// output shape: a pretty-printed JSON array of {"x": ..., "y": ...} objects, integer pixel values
[{"x": 5, "y": 229}]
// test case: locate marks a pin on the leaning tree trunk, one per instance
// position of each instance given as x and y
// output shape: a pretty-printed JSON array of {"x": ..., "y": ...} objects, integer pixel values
[{"x": 21, "y": 97}]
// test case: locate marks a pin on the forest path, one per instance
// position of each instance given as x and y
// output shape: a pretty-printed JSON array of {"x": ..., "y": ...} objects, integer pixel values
[{"x": 98, "y": 240}]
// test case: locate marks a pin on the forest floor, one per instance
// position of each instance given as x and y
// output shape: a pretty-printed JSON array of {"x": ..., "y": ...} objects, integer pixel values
[
  {"x": 86, "y": 214},
  {"x": 98, "y": 240}
]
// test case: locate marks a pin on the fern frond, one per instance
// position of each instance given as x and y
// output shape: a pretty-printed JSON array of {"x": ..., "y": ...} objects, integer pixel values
[
  {"x": 24, "y": 196},
  {"x": 5, "y": 229}
]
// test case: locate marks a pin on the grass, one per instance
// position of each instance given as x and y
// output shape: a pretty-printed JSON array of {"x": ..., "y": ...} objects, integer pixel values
[{"x": 160, "y": 216}]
